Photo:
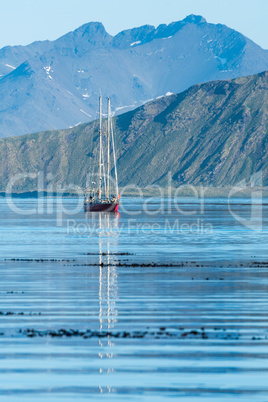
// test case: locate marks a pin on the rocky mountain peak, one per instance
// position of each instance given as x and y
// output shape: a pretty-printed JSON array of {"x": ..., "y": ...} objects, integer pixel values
[
  {"x": 92, "y": 32},
  {"x": 194, "y": 19}
]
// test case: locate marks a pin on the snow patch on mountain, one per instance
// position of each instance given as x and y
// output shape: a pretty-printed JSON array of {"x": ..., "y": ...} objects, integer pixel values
[
  {"x": 136, "y": 43},
  {"x": 55, "y": 82},
  {"x": 13, "y": 68},
  {"x": 48, "y": 70}
]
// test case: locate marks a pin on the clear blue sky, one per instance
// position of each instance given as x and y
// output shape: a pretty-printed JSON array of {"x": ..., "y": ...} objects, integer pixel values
[{"x": 24, "y": 21}]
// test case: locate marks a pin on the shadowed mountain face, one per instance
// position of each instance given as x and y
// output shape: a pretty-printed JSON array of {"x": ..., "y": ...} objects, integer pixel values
[
  {"x": 52, "y": 85},
  {"x": 213, "y": 134}
]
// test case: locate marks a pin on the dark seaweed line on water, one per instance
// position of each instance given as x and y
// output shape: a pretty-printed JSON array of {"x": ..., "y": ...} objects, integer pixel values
[
  {"x": 12, "y": 292},
  {"x": 162, "y": 332},
  {"x": 2, "y": 313},
  {"x": 108, "y": 254},
  {"x": 134, "y": 264},
  {"x": 36, "y": 260},
  {"x": 254, "y": 264},
  {"x": 171, "y": 265}
]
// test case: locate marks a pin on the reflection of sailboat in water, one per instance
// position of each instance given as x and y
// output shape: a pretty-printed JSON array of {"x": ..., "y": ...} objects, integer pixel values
[
  {"x": 94, "y": 201},
  {"x": 107, "y": 225}
]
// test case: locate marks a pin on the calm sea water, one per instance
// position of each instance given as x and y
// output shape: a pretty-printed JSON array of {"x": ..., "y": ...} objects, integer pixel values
[{"x": 159, "y": 329}]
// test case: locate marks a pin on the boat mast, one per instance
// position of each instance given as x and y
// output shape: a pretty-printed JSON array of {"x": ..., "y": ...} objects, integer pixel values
[
  {"x": 108, "y": 151},
  {"x": 115, "y": 168},
  {"x": 100, "y": 158}
]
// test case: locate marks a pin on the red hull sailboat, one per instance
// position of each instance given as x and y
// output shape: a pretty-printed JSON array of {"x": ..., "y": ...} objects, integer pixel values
[
  {"x": 105, "y": 207},
  {"x": 98, "y": 198}
]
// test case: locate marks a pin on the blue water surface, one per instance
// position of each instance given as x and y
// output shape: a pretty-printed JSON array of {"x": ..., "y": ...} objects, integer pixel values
[{"x": 169, "y": 270}]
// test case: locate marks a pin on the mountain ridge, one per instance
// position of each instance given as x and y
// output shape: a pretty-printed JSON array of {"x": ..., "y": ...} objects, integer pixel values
[
  {"x": 212, "y": 134},
  {"x": 56, "y": 84}
]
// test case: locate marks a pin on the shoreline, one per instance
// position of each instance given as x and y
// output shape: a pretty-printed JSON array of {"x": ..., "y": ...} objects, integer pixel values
[{"x": 191, "y": 192}]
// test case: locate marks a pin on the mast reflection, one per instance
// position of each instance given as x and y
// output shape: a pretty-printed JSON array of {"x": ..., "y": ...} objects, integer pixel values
[{"x": 106, "y": 225}]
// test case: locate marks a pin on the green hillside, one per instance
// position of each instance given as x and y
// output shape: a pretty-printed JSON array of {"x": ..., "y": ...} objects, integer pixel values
[{"x": 213, "y": 134}]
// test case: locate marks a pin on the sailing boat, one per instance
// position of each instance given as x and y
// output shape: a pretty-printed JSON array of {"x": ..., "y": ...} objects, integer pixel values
[{"x": 98, "y": 197}]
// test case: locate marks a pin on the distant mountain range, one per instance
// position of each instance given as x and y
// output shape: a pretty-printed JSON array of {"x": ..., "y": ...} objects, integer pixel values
[
  {"x": 213, "y": 134},
  {"x": 52, "y": 85}
]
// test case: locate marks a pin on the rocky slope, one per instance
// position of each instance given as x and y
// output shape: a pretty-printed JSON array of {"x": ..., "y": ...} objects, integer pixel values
[{"x": 213, "y": 134}]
